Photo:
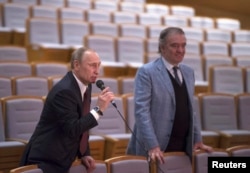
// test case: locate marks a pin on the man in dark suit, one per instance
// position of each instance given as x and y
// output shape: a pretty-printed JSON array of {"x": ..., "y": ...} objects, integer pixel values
[{"x": 62, "y": 129}]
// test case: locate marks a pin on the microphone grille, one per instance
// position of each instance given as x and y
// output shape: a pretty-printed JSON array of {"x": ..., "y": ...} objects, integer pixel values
[{"x": 100, "y": 84}]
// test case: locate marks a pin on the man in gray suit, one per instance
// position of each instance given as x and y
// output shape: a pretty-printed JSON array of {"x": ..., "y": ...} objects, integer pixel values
[{"x": 164, "y": 115}]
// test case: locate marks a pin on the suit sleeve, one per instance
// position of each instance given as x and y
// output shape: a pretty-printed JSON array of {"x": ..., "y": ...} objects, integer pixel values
[
  {"x": 143, "y": 90},
  {"x": 69, "y": 116}
]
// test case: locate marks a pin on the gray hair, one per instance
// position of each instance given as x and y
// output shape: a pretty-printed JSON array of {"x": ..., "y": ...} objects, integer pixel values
[
  {"x": 77, "y": 55},
  {"x": 165, "y": 33}
]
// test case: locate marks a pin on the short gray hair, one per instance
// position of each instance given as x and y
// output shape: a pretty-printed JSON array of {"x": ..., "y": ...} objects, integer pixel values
[
  {"x": 77, "y": 55},
  {"x": 166, "y": 32}
]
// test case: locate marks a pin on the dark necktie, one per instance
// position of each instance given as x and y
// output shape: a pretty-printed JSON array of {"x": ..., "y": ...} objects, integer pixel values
[
  {"x": 85, "y": 135},
  {"x": 175, "y": 68}
]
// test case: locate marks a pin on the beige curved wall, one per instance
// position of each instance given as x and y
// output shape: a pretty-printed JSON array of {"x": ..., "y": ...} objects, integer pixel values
[{"x": 238, "y": 9}]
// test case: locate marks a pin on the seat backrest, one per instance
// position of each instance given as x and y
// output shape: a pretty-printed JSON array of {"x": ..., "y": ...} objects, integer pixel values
[
  {"x": 27, "y": 169},
  {"x": 241, "y": 35},
  {"x": 105, "y": 5},
  {"x": 151, "y": 56},
  {"x": 218, "y": 35},
  {"x": 155, "y": 8},
  {"x": 104, "y": 28},
  {"x": 197, "y": 109},
  {"x": 111, "y": 122},
  {"x": 13, "y": 53},
  {"x": 172, "y": 20},
  {"x": 154, "y": 31},
  {"x": 44, "y": 11},
  {"x": 130, "y": 6},
  {"x": 133, "y": 30},
  {"x": 247, "y": 79},
  {"x": 201, "y": 159},
  {"x": 46, "y": 69},
  {"x": 104, "y": 45},
  {"x": 21, "y": 114},
  {"x": 226, "y": 79},
  {"x": 86, "y": 4},
  {"x": 152, "y": 45},
  {"x": 77, "y": 167},
  {"x": 128, "y": 163},
  {"x": 13, "y": 69},
  {"x": 239, "y": 151},
  {"x": 227, "y": 23},
  {"x": 149, "y": 19},
  {"x": 53, "y": 80},
  {"x": 242, "y": 61},
  {"x": 204, "y": 22},
  {"x": 126, "y": 84},
  {"x": 70, "y": 13},
  {"x": 5, "y": 87},
  {"x": 131, "y": 49},
  {"x": 42, "y": 30},
  {"x": 122, "y": 17},
  {"x": 130, "y": 111},
  {"x": 2, "y": 131},
  {"x": 30, "y": 85},
  {"x": 175, "y": 162},
  {"x": 181, "y": 10},
  {"x": 218, "y": 111},
  {"x": 243, "y": 111},
  {"x": 95, "y": 15},
  {"x": 15, "y": 15},
  {"x": 193, "y": 47},
  {"x": 215, "y": 48},
  {"x": 212, "y": 60},
  {"x": 195, "y": 34},
  {"x": 54, "y": 3},
  {"x": 195, "y": 62},
  {"x": 26, "y": 2},
  {"x": 73, "y": 31},
  {"x": 239, "y": 49}
]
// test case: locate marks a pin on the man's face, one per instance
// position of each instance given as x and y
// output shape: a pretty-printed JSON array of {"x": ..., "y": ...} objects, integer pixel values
[
  {"x": 88, "y": 69},
  {"x": 174, "y": 49}
]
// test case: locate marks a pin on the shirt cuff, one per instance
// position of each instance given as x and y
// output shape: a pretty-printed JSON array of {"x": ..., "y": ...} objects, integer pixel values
[{"x": 95, "y": 114}]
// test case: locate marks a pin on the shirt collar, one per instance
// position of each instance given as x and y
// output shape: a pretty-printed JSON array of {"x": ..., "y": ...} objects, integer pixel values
[
  {"x": 81, "y": 85},
  {"x": 168, "y": 65}
]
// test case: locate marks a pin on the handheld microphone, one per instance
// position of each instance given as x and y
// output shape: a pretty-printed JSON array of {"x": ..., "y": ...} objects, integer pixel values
[{"x": 100, "y": 84}]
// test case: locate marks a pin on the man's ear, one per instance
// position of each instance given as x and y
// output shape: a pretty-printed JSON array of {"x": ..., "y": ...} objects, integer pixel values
[{"x": 76, "y": 64}]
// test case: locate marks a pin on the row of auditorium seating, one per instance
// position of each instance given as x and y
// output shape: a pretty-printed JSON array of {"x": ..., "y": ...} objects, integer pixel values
[
  {"x": 37, "y": 78},
  {"x": 127, "y": 48},
  {"x": 114, "y": 49},
  {"x": 217, "y": 112},
  {"x": 135, "y": 7},
  {"x": 213, "y": 52},
  {"x": 110, "y": 139},
  {"x": 65, "y": 34},
  {"x": 182, "y": 15},
  {"x": 174, "y": 162},
  {"x": 40, "y": 85}
]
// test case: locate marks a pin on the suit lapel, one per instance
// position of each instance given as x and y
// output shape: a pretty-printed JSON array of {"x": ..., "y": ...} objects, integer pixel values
[{"x": 164, "y": 77}]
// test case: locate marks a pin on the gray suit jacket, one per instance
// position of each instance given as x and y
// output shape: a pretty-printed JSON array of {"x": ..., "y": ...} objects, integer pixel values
[{"x": 155, "y": 108}]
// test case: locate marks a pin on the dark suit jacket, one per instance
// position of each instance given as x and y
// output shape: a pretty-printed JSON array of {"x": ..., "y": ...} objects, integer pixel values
[{"x": 55, "y": 143}]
